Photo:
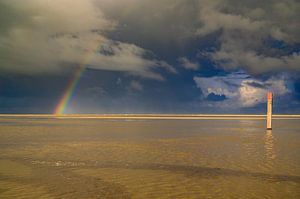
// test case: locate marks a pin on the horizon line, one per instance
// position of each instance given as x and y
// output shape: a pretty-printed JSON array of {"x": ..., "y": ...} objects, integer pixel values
[{"x": 153, "y": 116}]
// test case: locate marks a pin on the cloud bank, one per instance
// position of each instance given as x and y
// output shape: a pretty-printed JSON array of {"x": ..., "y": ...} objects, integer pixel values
[
  {"x": 246, "y": 27},
  {"x": 246, "y": 31},
  {"x": 40, "y": 36}
]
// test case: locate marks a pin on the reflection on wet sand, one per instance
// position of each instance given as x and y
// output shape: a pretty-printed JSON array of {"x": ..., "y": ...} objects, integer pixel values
[{"x": 269, "y": 145}]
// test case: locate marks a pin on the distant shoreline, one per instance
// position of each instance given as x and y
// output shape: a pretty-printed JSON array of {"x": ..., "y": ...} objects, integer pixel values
[{"x": 150, "y": 116}]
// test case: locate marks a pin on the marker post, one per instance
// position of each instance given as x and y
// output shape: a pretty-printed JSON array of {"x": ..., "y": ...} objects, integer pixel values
[{"x": 269, "y": 111}]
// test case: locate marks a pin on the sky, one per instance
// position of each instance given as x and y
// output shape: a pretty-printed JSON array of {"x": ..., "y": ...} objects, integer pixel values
[{"x": 149, "y": 56}]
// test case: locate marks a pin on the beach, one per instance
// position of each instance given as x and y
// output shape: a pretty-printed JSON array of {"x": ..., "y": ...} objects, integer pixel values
[{"x": 149, "y": 156}]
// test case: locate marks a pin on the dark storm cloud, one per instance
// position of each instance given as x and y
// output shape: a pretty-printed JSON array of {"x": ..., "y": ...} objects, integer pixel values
[
  {"x": 40, "y": 36},
  {"x": 155, "y": 24},
  {"x": 244, "y": 26},
  {"x": 169, "y": 28}
]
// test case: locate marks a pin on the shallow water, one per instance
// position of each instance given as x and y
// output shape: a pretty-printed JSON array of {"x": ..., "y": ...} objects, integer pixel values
[{"x": 145, "y": 158}]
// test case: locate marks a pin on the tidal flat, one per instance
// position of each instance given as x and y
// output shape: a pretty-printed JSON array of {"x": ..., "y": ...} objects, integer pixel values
[{"x": 150, "y": 156}]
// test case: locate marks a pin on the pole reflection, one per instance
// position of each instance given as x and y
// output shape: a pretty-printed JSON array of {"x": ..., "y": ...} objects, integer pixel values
[{"x": 269, "y": 145}]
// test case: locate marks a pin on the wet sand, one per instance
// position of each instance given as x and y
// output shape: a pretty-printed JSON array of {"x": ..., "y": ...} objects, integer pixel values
[{"x": 149, "y": 156}]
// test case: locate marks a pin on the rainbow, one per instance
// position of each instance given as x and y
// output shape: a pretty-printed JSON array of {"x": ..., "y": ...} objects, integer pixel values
[{"x": 71, "y": 87}]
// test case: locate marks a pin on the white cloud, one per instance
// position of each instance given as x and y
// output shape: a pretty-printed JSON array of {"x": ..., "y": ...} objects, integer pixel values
[
  {"x": 241, "y": 90},
  {"x": 250, "y": 95}
]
